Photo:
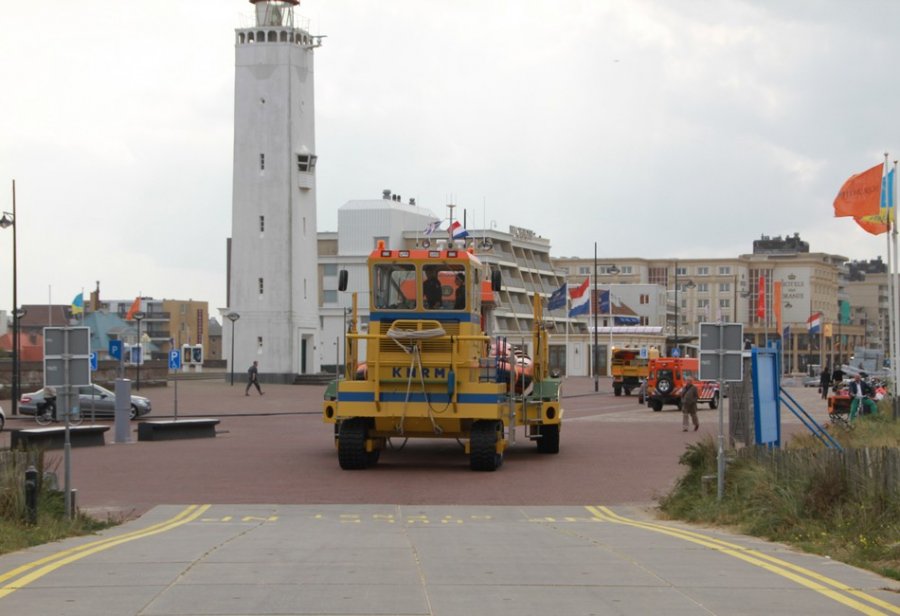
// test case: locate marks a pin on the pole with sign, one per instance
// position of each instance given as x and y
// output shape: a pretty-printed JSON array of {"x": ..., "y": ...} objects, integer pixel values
[
  {"x": 721, "y": 353},
  {"x": 175, "y": 364},
  {"x": 67, "y": 366}
]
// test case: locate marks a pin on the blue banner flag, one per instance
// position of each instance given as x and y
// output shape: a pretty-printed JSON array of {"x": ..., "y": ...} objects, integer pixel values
[{"x": 557, "y": 299}]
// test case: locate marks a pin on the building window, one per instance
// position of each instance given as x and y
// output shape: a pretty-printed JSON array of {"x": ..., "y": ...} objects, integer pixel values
[
  {"x": 724, "y": 286},
  {"x": 703, "y": 287},
  {"x": 330, "y": 297},
  {"x": 260, "y": 286},
  {"x": 703, "y": 271},
  {"x": 306, "y": 163},
  {"x": 626, "y": 269},
  {"x": 724, "y": 270},
  {"x": 584, "y": 269},
  {"x": 724, "y": 303},
  {"x": 262, "y": 162},
  {"x": 702, "y": 303},
  {"x": 262, "y": 224},
  {"x": 259, "y": 341},
  {"x": 680, "y": 271},
  {"x": 329, "y": 269}
]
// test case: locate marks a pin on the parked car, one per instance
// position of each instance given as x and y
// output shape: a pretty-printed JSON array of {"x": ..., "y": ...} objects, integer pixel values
[
  {"x": 2, "y": 418},
  {"x": 92, "y": 399}
]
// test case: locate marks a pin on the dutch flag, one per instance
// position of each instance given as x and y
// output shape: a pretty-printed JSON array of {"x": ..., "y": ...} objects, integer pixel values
[
  {"x": 814, "y": 323},
  {"x": 457, "y": 231}
]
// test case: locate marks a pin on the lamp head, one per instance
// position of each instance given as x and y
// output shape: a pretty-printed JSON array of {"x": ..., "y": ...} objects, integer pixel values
[
  {"x": 233, "y": 316},
  {"x": 7, "y": 220}
]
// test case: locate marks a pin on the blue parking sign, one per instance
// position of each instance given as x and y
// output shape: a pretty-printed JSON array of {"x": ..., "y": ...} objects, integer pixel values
[
  {"x": 93, "y": 359},
  {"x": 115, "y": 349},
  {"x": 174, "y": 360}
]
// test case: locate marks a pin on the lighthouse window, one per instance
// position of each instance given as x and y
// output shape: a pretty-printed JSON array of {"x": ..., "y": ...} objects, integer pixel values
[
  {"x": 262, "y": 224},
  {"x": 260, "y": 286},
  {"x": 306, "y": 163},
  {"x": 262, "y": 162}
]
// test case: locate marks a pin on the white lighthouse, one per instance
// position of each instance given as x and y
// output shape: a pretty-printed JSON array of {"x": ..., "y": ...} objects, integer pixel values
[{"x": 273, "y": 282}]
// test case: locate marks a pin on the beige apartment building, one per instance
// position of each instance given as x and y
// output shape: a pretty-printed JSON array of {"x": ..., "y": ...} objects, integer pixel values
[{"x": 707, "y": 290}]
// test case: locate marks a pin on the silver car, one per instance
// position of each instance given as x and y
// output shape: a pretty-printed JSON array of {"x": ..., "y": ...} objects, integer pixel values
[{"x": 93, "y": 400}]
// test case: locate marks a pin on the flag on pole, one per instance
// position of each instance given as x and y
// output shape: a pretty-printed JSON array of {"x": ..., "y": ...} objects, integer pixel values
[
  {"x": 761, "y": 298},
  {"x": 878, "y": 223},
  {"x": 457, "y": 231},
  {"x": 580, "y": 299},
  {"x": 432, "y": 227},
  {"x": 786, "y": 332},
  {"x": 557, "y": 298},
  {"x": 135, "y": 307},
  {"x": 860, "y": 195},
  {"x": 814, "y": 323},
  {"x": 776, "y": 303},
  {"x": 78, "y": 304}
]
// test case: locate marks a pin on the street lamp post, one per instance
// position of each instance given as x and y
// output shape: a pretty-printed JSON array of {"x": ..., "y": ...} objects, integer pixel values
[
  {"x": 9, "y": 220},
  {"x": 612, "y": 270},
  {"x": 594, "y": 310},
  {"x": 688, "y": 285},
  {"x": 232, "y": 316},
  {"x": 139, "y": 316}
]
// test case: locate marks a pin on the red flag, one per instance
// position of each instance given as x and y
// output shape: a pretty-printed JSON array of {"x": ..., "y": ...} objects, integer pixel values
[
  {"x": 860, "y": 195},
  {"x": 876, "y": 225},
  {"x": 776, "y": 304},
  {"x": 761, "y": 298},
  {"x": 135, "y": 307}
]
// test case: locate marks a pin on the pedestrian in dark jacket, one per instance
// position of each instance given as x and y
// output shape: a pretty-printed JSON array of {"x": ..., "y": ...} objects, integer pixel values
[
  {"x": 689, "y": 405},
  {"x": 824, "y": 382},
  {"x": 252, "y": 379}
]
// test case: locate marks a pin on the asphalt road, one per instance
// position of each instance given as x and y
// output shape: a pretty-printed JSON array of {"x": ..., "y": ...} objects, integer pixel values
[
  {"x": 276, "y": 449},
  {"x": 261, "y": 520}
]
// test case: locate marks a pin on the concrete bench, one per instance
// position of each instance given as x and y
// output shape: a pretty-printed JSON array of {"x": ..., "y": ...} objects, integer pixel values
[
  {"x": 167, "y": 430},
  {"x": 54, "y": 437}
]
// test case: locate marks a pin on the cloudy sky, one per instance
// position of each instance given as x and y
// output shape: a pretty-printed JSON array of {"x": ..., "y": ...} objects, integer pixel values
[{"x": 655, "y": 128}]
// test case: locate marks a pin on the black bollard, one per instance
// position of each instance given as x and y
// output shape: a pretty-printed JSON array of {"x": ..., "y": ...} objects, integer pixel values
[{"x": 31, "y": 490}]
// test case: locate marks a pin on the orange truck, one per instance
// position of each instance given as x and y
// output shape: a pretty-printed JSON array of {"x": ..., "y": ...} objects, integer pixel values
[
  {"x": 628, "y": 369},
  {"x": 666, "y": 380}
]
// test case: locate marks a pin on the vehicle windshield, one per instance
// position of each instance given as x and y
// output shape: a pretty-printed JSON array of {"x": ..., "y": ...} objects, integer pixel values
[{"x": 433, "y": 286}]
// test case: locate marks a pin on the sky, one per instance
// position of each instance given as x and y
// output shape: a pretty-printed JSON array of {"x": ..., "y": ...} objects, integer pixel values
[{"x": 654, "y": 128}]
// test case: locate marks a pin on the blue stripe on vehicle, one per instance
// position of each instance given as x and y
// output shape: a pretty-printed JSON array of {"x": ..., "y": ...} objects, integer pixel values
[
  {"x": 431, "y": 315},
  {"x": 441, "y": 398}
]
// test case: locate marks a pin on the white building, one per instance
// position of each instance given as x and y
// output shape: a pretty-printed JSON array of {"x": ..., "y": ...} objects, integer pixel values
[{"x": 273, "y": 283}]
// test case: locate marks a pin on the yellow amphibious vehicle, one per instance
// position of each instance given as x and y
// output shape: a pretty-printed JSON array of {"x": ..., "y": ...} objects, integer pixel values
[{"x": 431, "y": 371}]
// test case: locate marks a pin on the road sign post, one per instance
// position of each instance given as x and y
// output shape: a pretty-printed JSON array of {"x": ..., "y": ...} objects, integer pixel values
[
  {"x": 67, "y": 365},
  {"x": 721, "y": 359},
  {"x": 175, "y": 364}
]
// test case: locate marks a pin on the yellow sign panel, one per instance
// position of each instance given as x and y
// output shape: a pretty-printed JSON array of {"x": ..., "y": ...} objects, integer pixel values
[{"x": 828, "y": 330}]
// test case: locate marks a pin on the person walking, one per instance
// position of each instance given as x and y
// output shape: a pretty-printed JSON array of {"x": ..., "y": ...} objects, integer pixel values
[
  {"x": 860, "y": 393},
  {"x": 689, "y": 405},
  {"x": 253, "y": 379},
  {"x": 824, "y": 382}
]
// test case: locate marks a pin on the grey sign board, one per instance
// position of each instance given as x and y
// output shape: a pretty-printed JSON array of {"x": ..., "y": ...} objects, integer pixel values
[
  {"x": 67, "y": 356},
  {"x": 721, "y": 351}
]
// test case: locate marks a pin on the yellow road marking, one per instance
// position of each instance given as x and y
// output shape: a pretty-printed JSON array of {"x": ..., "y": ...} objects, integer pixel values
[
  {"x": 770, "y": 563},
  {"x": 50, "y": 563}
]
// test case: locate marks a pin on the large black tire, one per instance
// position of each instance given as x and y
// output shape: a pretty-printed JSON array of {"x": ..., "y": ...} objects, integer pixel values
[
  {"x": 549, "y": 440},
  {"x": 714, "y": 401},
  {"x": 133, "y": 412},
  {"x": 352, "y": 444},
  {"x": 656, "y": 405},
  {"x": 664, "y": 386},
  {"x": 617, "y": 389},
  {"x": 483, "y": 454}
]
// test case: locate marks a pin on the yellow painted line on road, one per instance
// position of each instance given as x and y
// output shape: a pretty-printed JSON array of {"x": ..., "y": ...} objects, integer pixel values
[
  {"x": 774, "y": 565},
  {"x": 50, "y": 563}
]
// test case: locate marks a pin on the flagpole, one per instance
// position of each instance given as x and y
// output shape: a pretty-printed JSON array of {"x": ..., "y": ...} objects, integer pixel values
[
  {"x": 892, "y": 269},
  {"x": 567, "y": 331}
]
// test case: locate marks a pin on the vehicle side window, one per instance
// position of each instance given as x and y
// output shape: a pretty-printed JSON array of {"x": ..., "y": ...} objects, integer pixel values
[{"x": 394, "y": 286}]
